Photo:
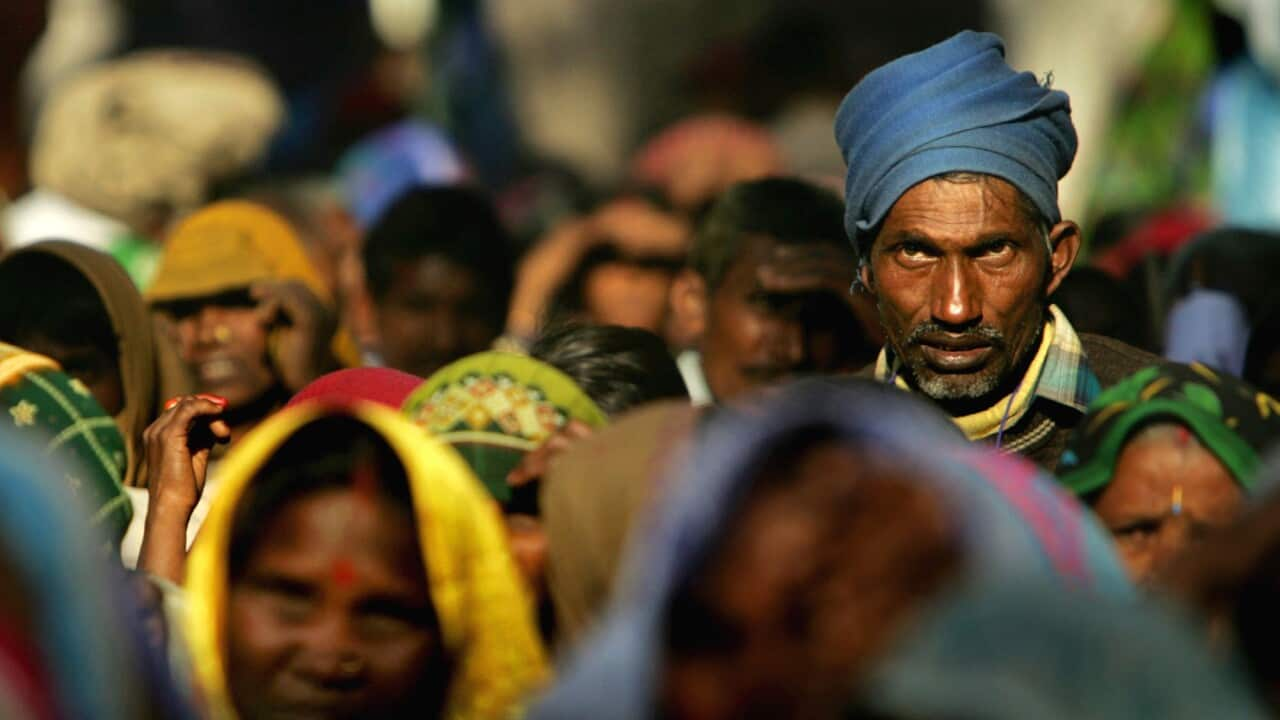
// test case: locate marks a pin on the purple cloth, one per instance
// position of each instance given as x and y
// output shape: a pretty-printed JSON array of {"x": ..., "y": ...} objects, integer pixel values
[
  {"x": 375, "y": 171},
  {"x": 1013, "y": 522},
  {"x": 1208, "y": 327}
]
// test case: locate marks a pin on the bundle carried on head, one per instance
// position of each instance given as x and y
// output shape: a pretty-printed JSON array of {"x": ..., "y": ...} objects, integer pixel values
[{"x": 151, "y": 132}]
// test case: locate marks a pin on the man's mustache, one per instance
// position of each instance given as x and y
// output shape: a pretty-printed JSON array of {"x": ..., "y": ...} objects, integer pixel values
[{"x": 977, "y": 335}]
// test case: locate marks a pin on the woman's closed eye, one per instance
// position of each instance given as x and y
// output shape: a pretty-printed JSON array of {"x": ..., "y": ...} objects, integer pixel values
[
  {"x": 1138, "y": 529},
  {"x": 289, "y": 599},
  {"x": 381, "y": 617}
]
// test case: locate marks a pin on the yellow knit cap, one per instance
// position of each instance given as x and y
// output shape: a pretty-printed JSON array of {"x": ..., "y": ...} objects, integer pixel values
[{"x": 230, "y": 245}]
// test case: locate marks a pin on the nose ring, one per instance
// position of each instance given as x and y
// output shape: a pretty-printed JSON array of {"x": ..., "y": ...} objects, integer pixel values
[
  {"x": 222, "y": 334},
  {"x": 350, "y": 666}
]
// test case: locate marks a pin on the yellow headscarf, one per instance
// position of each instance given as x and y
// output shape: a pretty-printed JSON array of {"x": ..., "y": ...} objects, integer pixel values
[
  {"x": 231, "y": 245},
  {"x": 486, "y": 617}
]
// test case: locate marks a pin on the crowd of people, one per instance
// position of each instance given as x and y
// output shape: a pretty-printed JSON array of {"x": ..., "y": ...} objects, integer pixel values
[{"x": 733, "y": 442}]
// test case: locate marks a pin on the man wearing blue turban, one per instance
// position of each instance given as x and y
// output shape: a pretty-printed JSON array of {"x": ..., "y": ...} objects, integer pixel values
[{"x": 952, "y": 205}]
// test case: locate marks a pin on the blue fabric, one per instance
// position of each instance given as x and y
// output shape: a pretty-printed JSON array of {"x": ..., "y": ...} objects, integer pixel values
[
  {"x": 81, "y": 618},
  {"x": 1035, "y": 652},
  {"x": 1245, "y": 146},
  {"x": 1011, "y": 528},
  {"x": 378, "y": 169},
  {"x": 954, "y": 107},
  {"x": 1209, "y": 327}
]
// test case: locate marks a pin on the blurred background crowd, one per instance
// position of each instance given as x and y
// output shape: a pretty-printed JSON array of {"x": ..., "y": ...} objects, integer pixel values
[
  {"x": 602, "y": 109},
  {"x": 573, "y": 241}
]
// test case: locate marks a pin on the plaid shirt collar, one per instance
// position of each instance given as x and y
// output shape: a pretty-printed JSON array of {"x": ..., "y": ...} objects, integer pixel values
[{"x": 1066, "y": 378}]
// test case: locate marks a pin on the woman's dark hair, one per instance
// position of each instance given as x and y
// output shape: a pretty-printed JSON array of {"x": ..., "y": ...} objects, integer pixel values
[
  {"x": 47, "y": 297},
  {"x": 617, "y": 367},
  {"x": 332, "y": 452}
]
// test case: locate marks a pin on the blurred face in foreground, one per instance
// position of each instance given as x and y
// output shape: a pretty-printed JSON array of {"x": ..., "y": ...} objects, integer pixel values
[
  {"x": 331, "y": 616},
  {"x": 820, "y": 567},
  {"x": 1167, "y": 492}
]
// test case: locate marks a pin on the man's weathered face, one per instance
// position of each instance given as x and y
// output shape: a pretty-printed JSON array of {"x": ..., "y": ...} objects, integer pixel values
[{"x": 961, "y": 272}]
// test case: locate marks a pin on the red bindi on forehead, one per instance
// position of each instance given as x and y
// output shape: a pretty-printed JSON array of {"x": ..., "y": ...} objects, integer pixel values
[
  {"x": 364, "y": 486},
  {"x": 343, "y": 572},
  {"x": 1183, "y": 435}
]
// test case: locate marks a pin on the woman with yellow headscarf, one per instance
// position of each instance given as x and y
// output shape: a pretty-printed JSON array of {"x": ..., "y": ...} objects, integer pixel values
[
  {"x": 250, "y": 323},
  {"x": 353, "y": 567}
]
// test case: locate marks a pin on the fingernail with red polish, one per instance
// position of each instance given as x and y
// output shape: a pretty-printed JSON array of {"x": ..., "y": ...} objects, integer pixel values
[{"x": 215, "y": 399}]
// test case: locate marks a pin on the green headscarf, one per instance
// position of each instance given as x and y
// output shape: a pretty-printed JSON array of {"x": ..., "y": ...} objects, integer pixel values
[
  {"x": 38, "y": 399},
  {"x": 493, "y": 407},
  {"x": 1234, "y": 421}
]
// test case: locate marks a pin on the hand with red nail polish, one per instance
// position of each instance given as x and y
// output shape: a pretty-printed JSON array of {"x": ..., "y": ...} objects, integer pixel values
[{"x": 177, "y": 445}]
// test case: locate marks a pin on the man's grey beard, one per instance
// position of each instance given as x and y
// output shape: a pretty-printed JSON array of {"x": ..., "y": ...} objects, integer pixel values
[
  {"x": 941, "y": 387},
  {"x": 967, "y": 387}
]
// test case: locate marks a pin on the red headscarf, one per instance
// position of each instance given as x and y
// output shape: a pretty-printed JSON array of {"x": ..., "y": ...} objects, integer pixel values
[{"x": 375, "y": 384}]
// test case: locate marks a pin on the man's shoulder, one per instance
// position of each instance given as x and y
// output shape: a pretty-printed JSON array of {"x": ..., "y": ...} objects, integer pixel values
[{"x": 1112, "y": 360}]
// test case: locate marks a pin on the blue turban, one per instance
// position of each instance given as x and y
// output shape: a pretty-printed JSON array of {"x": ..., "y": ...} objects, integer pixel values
[{"x": 954, "y": 107}]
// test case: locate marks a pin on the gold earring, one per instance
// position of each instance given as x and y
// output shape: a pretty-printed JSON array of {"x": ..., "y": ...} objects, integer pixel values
[{"x": 1177, "y": 500}]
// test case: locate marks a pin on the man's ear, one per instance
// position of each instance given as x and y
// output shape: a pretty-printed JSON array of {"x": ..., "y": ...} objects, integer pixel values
[
  {"x": 1064, "y": 245},
  {"x": 689, "y": 303},
  {"x": 864, "y": 274}
]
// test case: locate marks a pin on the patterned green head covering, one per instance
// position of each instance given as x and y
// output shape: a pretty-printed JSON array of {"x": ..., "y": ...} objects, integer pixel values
[
  {"x": 493, "y": 407},
  {"x": 1234, "y": 421},
  {"x": 38, "y": 400}
]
